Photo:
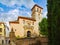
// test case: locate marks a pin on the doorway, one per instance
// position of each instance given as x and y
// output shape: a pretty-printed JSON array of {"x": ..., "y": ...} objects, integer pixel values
[{"x": 28, "y": 34}]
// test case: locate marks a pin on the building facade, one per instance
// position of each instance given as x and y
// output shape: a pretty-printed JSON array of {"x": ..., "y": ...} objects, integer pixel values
[
  {"x": 27, "y": 26},
  {"x": 2, "y": 33}
]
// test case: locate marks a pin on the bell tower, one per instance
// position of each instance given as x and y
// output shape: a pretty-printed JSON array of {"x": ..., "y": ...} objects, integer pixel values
[{"x": 36, "y": 12}]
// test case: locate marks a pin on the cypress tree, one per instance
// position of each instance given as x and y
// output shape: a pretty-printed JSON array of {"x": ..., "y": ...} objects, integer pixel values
[{"x": 53, "y": 22}]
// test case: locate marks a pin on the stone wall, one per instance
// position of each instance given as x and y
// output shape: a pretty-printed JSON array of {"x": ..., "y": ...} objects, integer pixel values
[
  {"x": 44, "y": 40},
  {"x": 32, "y": 41}
]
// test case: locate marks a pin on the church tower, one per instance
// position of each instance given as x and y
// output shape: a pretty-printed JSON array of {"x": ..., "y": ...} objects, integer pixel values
[{"x": 37, "y": 13}]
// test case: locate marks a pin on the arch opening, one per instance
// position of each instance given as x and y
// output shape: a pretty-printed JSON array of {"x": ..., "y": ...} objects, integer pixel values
[{"x": 28, "y": 34}]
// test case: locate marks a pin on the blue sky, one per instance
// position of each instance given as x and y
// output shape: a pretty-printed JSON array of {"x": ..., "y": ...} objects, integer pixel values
[{"x": 11, "y": 9}]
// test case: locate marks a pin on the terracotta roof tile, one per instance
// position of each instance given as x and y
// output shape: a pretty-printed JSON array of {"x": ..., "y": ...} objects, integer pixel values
[
  {"x": 28, "y": 18},
  {"x": 14, "y": 22},
  {"x": 37, "y": 6}
]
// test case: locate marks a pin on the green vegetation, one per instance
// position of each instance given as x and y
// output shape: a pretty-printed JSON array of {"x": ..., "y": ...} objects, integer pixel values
[
  {"x": 18, "y": 37},
  {"x": 43, "y": 27},
  {"x": 53, "y": 15}
]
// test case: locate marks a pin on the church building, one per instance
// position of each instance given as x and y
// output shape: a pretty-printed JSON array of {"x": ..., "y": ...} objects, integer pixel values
[{"x": 27, "y": 26}]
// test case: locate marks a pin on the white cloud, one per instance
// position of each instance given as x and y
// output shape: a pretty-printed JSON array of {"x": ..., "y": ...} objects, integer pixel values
[
  {"x": 27, "y": 3},
  {"x": 7, "y": 30},
  {"x": 45, "y": 14},
  {"x": 29, "y": 14},
  {"x": 10, "y": 15},
  {"x": 13, "y": 14}
]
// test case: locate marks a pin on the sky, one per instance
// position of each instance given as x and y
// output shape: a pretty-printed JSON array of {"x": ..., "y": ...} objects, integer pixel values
[{"x": 11, "y": 9}]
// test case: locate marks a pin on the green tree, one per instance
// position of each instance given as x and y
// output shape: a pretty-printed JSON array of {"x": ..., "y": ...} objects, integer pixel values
[
  {"x": 43, "y": 27},
  {"x": 53, "y": 15}
]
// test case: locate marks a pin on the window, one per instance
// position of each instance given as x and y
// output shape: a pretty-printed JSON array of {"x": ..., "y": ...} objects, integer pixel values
[
  {"x": 0, "y": 24},
  {"x": 40, "y": 10},
  {"x": 23, "y": 21},
  {"x": 2, "y": 41},
  {"x": 0, "y": 35},
  {"x": 0, "y": 29},
  {"x": 39, "y": 16},
  {"x": 37, "y": 9},
  {"x": 33, "y": 23},
  {"x": 15, "y": 29}
]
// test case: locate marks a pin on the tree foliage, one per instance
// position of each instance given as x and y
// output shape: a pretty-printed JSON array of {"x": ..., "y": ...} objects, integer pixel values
[
  {"x": 53, "y": 21},
  {"x": 43, "y": 27}
]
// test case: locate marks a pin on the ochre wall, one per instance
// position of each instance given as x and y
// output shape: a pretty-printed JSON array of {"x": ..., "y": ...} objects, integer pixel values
[{"x": 3, "y": 31}]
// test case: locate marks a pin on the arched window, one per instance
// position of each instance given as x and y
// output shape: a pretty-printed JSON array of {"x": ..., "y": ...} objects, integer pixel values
[
  {"x": 2, "y": 41},
  {"x": 33, "y": 23},
  {"x": 9, "y": 41},
  {"x": 28, "y": 34},
  {"x": 37, "y": 9},
  {"x": 0, "y": 29}
]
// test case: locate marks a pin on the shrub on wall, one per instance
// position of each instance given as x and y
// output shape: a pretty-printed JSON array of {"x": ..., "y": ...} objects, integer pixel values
[{"x": 18, "y": 37}]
